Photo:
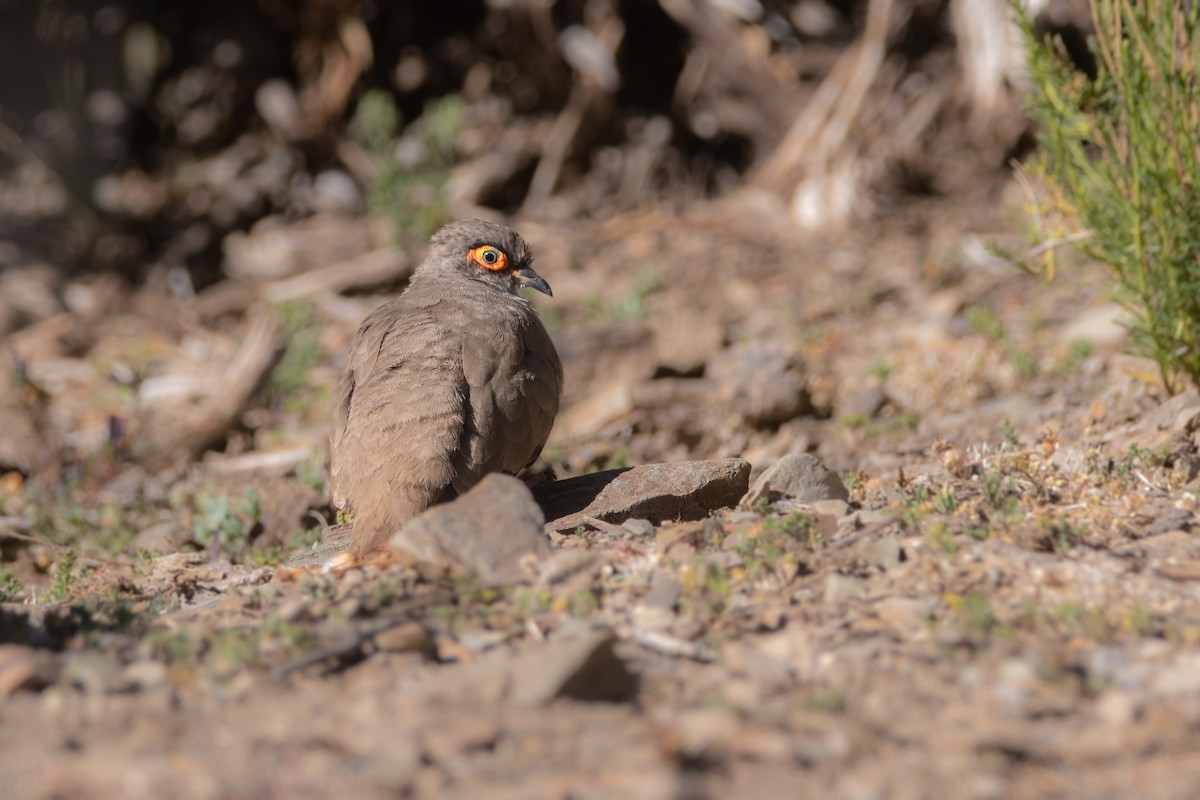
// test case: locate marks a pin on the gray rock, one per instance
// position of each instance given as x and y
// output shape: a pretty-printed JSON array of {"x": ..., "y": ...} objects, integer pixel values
[
  {"x": 1171, "y": 519},
  {"x": 1100, "y": 326},
  {"x": 334, "y": 190},
  {"x": 656, "y": 492},
  {"x": 584, "y": 668},
  {"x": 664, "y": 592},
  {"x": 762, "y": 381},
  {"x": 839, "y": 588},
  {"x": 276, "y": 103},
  {"x": 639, "y": 527},
  {"x": 866, "y": 404},
  {"x": 800, "y": 476},
  {"x": 884, "y": 552},
  {"x": 489, "y": 532}
]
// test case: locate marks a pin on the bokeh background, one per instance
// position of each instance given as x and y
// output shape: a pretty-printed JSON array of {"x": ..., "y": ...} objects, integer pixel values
[{"x": 200, "y": 200}]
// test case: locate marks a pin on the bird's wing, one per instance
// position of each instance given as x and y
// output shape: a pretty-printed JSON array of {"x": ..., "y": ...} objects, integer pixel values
[
  {"x": 542, "y": 394},
  {"x": 398, "y": 423},
  {"x": 513, "y": 387},
  {"x": 485, "y": 364},
  {"x": 360, "y": 363}
]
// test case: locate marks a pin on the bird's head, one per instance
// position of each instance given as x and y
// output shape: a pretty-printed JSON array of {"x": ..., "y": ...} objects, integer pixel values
[{"x": 486, "y": 252}]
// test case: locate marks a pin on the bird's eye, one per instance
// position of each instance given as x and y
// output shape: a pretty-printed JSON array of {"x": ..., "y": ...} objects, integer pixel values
[{"x": 489, "y": 257}]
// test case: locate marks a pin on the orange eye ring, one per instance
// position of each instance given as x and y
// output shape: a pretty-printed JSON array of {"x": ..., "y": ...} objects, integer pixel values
[{"x": 489, "y": 257}]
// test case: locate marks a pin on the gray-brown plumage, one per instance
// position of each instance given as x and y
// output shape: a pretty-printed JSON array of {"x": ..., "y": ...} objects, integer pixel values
[{"x": 452, "y": 380}]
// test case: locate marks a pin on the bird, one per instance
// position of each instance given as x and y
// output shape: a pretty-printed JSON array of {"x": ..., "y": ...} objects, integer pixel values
[{"x": 453, "y": 379}]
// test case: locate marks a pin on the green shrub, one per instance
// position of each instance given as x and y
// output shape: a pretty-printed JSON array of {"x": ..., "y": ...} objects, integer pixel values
[
  {"x": 10, "y": 586},
  {"x": 1122, "y": 156}
]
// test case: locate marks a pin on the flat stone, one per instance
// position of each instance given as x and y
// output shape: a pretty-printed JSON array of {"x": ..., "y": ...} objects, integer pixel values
[
  {"x": 688, "y": 490},
  {"x": 488, "y": 532},
  {"x": 582, "y": 668},
  {"x": 801, "y": 477}
]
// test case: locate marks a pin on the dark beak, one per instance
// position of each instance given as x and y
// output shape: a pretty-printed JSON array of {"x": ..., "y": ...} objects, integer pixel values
[{"x": 526, "y": 277}]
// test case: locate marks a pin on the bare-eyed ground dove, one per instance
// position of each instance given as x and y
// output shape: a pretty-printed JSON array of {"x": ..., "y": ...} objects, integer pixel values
[{"x": 454, "y": 379}]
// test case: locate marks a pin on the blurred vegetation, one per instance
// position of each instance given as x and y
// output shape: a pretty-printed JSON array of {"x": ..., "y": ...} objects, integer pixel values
[
  {"x": 1121, "y": 152},
  {"x": 222, "y": 524},
  {"x": 410, "y": 189},
  {"x": 290, "y": 376}
]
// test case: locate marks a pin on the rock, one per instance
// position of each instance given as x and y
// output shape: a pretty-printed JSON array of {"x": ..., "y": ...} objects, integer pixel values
[
  {"x": 584, "y": 668},
  {"x": 832, "y": 508},
  {"x": 92, "y": 671},
  {"x": 906, "y": 616},
  {"x": 684, "y": 339},
  {"x": 864, "y": 405},
  {"x": 657, "y": 492},
  {"x": 568, "y": 568},
  {"x": 1071, "y": 460},
  {"x": 842, "y": 587},
  {"x": 144, "y": 675},
  {"x": 1157, "y": 427},
  {"x": 664, "y": 592},
  {"x": 590, "y": 415},
  {"x": 276, "y": 103},
  {"x": 163, "y": 537},
  {"x": 488, "y": 532},
  {"x": 706, "y": 733},
  {"x": 1100, "y": 326},
  {"x": 409, "y": 637},
  {"x": 761, "y": 381},
  {"x": 767, "y": 669},
  {"x": 884, "y": 552},
  {"x": 690, "y": 534},
  {"x": 1171, "y": 519},
  {"x": 639, "y": 527},
  {"x": 455, "y": 738},
  {"x": 25, "y": 668},
  {"x": 334, "y": 190},
  {"x": 1169, "y": 544},
  {"x": 800, "y": 476}
]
